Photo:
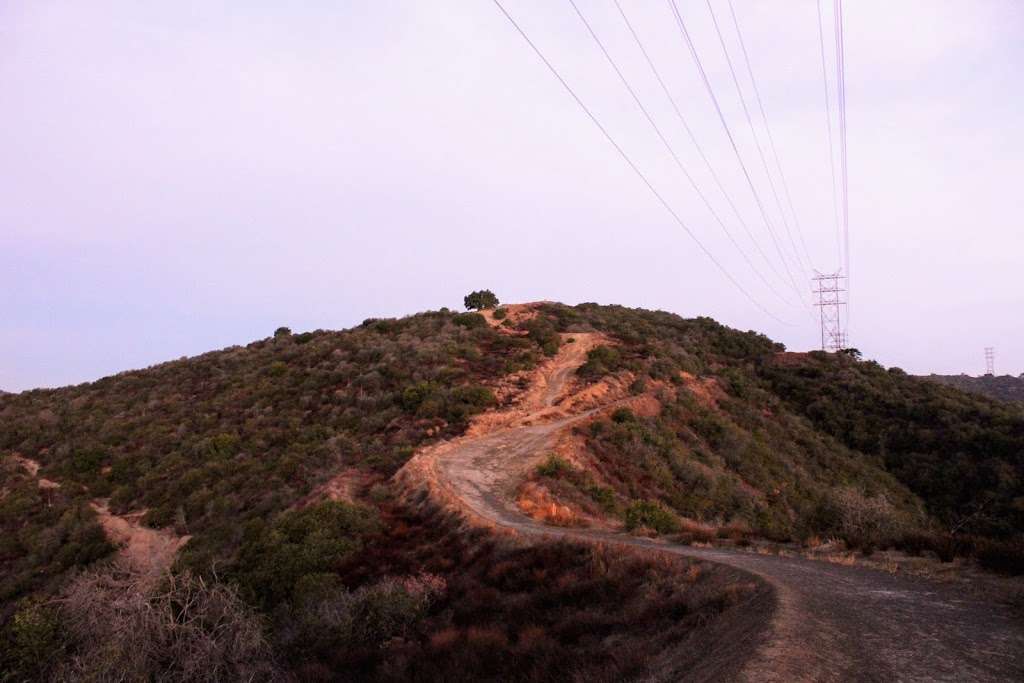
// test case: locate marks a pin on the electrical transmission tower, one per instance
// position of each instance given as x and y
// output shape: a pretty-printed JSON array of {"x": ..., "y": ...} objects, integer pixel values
[
  {"x": 829, "y": 290},
  {"x": 990, "y": 361}
]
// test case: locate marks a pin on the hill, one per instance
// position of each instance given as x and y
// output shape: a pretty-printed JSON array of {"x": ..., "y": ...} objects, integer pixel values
[
  {"x": 999, "y": 387},
  {"x": 271, "y": 466}
]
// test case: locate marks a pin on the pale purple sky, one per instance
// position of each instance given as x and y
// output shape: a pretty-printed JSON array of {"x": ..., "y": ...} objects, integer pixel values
[{"x": 179, "y": 177}]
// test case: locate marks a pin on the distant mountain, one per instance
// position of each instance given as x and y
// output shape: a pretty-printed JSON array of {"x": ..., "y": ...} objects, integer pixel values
[{"x": 999, "y": 387}]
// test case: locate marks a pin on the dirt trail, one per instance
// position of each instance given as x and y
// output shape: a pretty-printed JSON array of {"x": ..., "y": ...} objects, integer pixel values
[
  {"x": 828, "y": 622},
  {"x": 150, "y": 551},
  {"x": 147, "y": 550}
]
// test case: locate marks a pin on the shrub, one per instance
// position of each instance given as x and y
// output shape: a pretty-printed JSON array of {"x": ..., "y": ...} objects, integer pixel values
[
  {"x": 603, "y": 496},
  {"x": 274, "y": 559},
  {"x": 500, "y": 313},
  {"x": 623, "y": 415},
  {"x": 480, "y": 299},
  {"x": 864, "y": 522},
  {"x": 652, "y": 515},
  {"x": 555, "y": 466},
  {"x": 542, "y": 332},
  {"x": 470, "y": 320},
  {"x": 32, "y": 642},
  {"x": 601, "y": 360},
  {"x": 124, "y": 626},
  {"x": 282, "y": 332}
]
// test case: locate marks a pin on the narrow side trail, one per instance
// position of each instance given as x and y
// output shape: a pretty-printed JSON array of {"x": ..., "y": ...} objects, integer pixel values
[
  {"x": 827, "y": 622},
  {"x": 150, "y": 551}
]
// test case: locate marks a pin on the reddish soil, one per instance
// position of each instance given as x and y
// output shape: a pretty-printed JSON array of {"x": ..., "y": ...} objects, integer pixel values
[{"x": 150, "y": 551}]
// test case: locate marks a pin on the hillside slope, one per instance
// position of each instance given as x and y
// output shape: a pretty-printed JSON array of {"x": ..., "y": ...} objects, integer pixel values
[
  {"x": 273, "y": 460},
  {"x": 826, "y": 621},
  {"x": 999, "y": 387}
]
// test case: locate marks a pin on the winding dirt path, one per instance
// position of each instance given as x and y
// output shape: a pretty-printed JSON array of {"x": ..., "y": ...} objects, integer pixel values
[{"x": 826, "y": 622}]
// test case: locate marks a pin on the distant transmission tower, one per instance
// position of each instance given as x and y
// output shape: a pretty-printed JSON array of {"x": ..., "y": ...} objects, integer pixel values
[
  {"x": 990, "y": 361},
  {"x": 829, "y": 290}
]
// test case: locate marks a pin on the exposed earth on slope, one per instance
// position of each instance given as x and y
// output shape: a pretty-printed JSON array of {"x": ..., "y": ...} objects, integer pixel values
[
  {"x": 149, "y": 551},
  {"x": 827, "y": 622}
]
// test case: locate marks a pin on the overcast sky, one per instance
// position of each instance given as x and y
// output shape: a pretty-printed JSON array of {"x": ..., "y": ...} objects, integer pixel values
[{"x": 179, "y": 177}]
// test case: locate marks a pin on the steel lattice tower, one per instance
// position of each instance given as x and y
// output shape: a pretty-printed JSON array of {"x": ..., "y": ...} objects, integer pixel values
[
  {"x": 829, "y": 290},
  {"x": 990, "y": 361}
]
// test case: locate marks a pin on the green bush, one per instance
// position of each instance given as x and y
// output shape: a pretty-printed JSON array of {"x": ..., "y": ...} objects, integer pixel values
[
  {"x": 601, "y": 360},
  {"x": 542, "y": 332},
  {"x": 480, "y": 299},
  {"x": 274, "y": 558},
  {"x": 470, "y": 320},
  {"x": 652, "y": 515},
  {"x": 500, "y": 313},
  {"x": 623, "y": 415},
  {"x": 555, "y": 466},
  {"x": 32, "y": 642}
]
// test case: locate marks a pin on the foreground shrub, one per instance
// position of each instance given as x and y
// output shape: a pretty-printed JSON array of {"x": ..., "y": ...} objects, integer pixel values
[
  {"x": 31, "y": 643},
  {"x": 864, "y": 522},
  {"x": 274, "y": 559},
  {"x": 124, "y": 626},
  {"x": 326, "y": 615},
  {"x": 473, "y": 607}
]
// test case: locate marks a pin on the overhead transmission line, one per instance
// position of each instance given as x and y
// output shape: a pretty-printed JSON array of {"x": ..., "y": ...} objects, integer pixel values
[
  {"x": 636, "y": 169},
  {"x": 844, "y": 174},
  {"x": 707, "y": 162},
  {"x": 668, "y": 146},
  {"x": 771, "y": 138},
  {"x": 732, "y": 141},
  {"x": 753, "y": 134},
  {"x": 831, "y": 147}
]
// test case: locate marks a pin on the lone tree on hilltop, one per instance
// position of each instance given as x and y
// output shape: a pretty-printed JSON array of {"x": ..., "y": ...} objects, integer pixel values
[{"x": 480, "y": 300}]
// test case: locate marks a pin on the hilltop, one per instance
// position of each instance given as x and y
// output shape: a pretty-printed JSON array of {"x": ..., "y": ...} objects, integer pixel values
[
  {"x": 267, "y": 472},
  {"x": 999, "y": 387}
]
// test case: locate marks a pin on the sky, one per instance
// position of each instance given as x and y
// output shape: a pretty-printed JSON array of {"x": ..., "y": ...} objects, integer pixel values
[{"x": 180, "y": 177}]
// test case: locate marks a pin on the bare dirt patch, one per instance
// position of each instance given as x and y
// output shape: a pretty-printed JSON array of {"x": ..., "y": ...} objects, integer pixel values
[
  {"x": 706, "y": 390},
  {"x": 347, "y": 486},
  {"x": 146, "y": 550},
  {"x": 33, "y": 467}
]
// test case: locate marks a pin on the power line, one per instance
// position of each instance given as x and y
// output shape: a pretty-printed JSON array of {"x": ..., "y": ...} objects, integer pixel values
[
  {"x": 771, "y": 138},
  {"x": 721, "y": 117},
  {"x": 707, "y": 162},
  {"x": 665, "y": 142},
  {"x": 831, "y": 149},
  {"x": 634, "y": 167},
  {"x": 753, "y": 134},
  {"x": 844, "y": 171}
]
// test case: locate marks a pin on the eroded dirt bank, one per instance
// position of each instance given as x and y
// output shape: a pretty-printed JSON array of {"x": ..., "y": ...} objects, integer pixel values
[{"x": 823, "y": 622}]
